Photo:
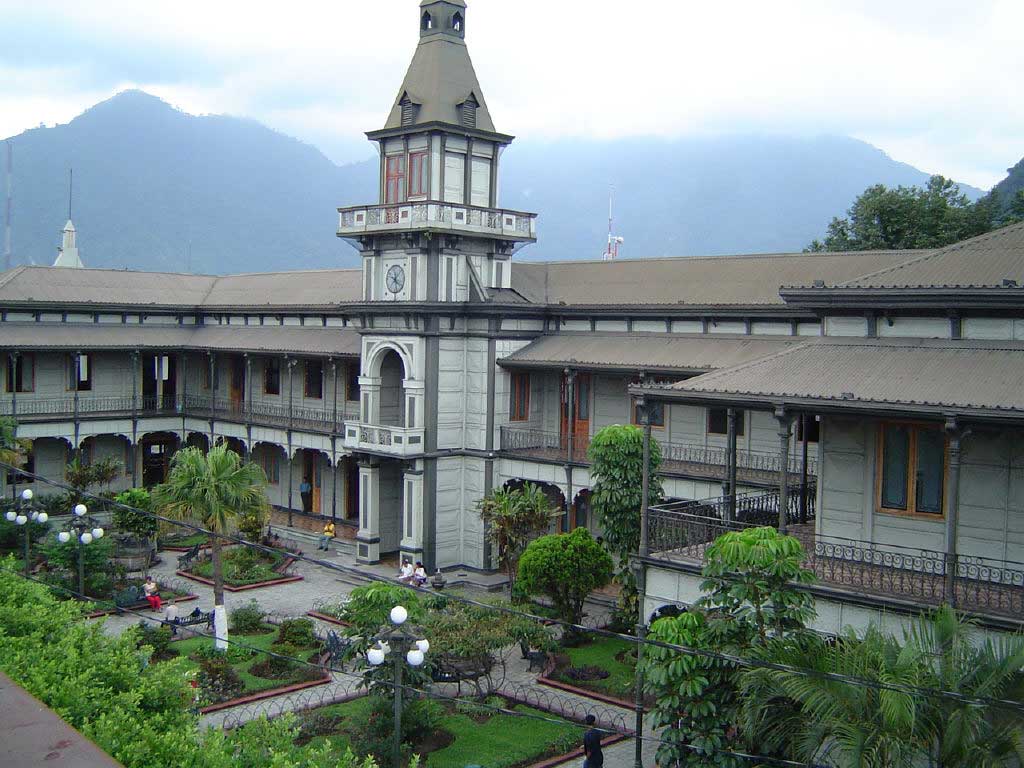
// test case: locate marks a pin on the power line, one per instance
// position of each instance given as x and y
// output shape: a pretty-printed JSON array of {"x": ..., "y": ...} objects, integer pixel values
[{"x": 687, "y": 650}]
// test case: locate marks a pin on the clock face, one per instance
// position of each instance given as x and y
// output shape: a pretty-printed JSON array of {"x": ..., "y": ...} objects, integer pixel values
[{"x": 395, "y": 278}]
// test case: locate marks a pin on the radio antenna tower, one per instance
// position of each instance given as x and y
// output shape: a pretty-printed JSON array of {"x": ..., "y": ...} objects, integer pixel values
[
  {"x": 612, "y": 250},
  {"x": 7, "y": 215}
]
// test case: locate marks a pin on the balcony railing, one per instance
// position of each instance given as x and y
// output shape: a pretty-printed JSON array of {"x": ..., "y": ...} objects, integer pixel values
[
  {"x": 681, "y": 533},
  {"x": 431, "y": 214},
  {"x": 676, "y": 457},
  {"x": 379, "y": 438},
  {"x": 200, "y": 406}
]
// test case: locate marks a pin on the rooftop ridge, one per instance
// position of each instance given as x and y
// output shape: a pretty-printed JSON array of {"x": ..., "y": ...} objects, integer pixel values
[{"x": 737, "y": 256}]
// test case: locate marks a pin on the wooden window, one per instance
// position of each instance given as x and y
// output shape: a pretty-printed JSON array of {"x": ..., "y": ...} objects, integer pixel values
[
  {"x": 272, "y": 377},
  {"x": 79, "y": 373},
  {"x": 314, "y": 380},
  {"x": 657, "y": 410},
  {"x": 419, "y": 174},
  {"x": 21, "y": 377},
  {"x": 394, "y": 179},
  {"x": 352, "y": 382},
  {"x": 454, "y": 177},
  {"x": 480, "y": 191},
  {"x": 718, "y": 421},
  {"x": 520, "y": 410},
  {"x": 270, "y": 463},
  {"x": 911, "y": 469}
]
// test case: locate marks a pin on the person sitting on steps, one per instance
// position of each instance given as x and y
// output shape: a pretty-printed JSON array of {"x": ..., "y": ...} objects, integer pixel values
[
  {"x": 419, "y": 576},
  {"x": 325, "y": 539},
  {"x": 406, "y": 573}
]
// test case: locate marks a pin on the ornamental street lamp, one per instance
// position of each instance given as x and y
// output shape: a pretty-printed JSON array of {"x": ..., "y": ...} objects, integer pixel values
[
  {"x": 86, "y": 531},
  {"x": 21, "y": 517},
  {"x": 400, "y": 641}
]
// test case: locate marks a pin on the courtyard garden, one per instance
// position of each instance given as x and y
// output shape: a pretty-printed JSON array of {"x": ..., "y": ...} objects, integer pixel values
[{"x": 244, "y": 567}]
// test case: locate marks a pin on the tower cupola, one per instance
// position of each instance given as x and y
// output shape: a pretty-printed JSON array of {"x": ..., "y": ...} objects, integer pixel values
[{"x": 443, "y": 17}]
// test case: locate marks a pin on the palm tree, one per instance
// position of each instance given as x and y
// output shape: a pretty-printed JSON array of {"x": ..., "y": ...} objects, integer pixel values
[
  {"x": 12, "y": 448},
  {"x": 212, "y": 490},
  {"x": 512, "y": 518}
]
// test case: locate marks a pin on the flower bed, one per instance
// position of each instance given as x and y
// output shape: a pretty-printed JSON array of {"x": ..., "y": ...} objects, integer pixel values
[
  {"x": 246, "y": 672},
  {"x": 245, "y": 569},
  {"x": 183, "y": 543},
  {"x": 603, "y": 669},
  {"x": 448, "y": 735}
]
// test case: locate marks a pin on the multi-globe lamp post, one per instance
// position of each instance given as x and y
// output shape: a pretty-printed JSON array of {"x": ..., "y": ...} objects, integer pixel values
[
  {"x": 85, "y": 530},
  {"x": 402, "y": 644},
  {"x": 22, "y": 515}
]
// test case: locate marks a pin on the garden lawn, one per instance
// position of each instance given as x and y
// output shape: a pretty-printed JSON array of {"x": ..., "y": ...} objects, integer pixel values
[
  {"x": 602, "y": 653},
  {"x": 501, "y": 741},
  {"x": 253, "y": 683},
  {"x": 242, "y": 567}
]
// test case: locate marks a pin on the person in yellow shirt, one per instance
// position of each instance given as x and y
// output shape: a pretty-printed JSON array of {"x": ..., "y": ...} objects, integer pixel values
[{"x": 325, "y": 540}]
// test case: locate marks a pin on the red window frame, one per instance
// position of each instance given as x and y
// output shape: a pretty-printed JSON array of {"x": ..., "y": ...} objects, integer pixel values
[
  {"x": 419, "y": 174},
  {"x": 520, "y": 402},
  {"x": 394, "y": 179}
]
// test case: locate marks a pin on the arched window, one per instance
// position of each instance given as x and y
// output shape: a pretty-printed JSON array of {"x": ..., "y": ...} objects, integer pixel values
[
  {"x": 427, "y": 22},
  {"x": 457, "y": 22}
]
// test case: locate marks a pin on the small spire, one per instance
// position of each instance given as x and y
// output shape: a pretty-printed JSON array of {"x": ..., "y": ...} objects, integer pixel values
[{"x": 67, "y": 254}]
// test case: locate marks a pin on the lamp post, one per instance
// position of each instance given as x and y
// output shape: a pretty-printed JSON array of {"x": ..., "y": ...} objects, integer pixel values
[
  {"x": 86, "y": 531},
  {"x": 398, "y": 640},
  {"x": 19, "y": 517}
]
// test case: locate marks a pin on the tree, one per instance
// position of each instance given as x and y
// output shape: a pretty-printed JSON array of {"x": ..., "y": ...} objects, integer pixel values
[
  {"x": 212, "y": 490},
  {"x": 513, "y": 517},
  {"x": 13, "y": 449},
  {"x": 565, "y": 567},
  {"x": 616, "y": 456},
  {"x": 83, "y": 476},
  {"x": 135, "y": 516},
  {"x": 909, "y": 217}
]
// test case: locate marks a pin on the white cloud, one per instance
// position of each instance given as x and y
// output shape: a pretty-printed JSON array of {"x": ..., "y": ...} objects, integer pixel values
[{"x": 932, "y": 82}]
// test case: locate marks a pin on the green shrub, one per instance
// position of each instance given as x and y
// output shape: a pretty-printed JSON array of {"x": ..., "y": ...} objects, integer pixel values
[
  {"x": 297, "y": 632},
  {"x": 135, "y": 521},
  {"x": 235, "y": 654},
  {"x": 247, "y": 619},
  {"x": 158, "y": 637},
  {"x": 218, "y": 680},
  {"x": 566, "y": 568},
  {"x": 283, "y": 662},
  {"x": 480, "y": 710},
  {"x": 372, "y": 731}
]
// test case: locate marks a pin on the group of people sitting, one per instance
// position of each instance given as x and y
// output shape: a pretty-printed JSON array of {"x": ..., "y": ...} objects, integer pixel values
[{"x": 413, "y": 575}]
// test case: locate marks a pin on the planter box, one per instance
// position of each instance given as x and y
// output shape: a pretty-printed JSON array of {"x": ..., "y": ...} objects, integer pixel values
[{"x": 242, "y": 588}]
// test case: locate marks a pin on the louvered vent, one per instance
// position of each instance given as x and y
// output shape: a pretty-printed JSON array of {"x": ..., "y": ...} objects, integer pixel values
[
  {"x": 469, "y": 113},
  {"x": 408, "y": 111}
]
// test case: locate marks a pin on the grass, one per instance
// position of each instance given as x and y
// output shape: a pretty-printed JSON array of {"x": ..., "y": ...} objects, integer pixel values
[
  {"x": 184, "y": 541},
  {"x": 602, "y": 653},
  {"x": 499, "y": 741},
  {"x": 260, "y": 642},
  {"x": 254, "y": 568}
]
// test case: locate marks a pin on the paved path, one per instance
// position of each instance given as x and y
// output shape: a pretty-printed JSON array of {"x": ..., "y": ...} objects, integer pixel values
[{"x": 323, "y": 584}]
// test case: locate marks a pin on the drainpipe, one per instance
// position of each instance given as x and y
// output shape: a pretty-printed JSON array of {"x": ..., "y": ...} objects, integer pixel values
[
  {"x": 212, "y": 360},
  {"x": 12, "y": 361},
  {"x": 247, "y": 393},
  {"x": 785, "y": 420},
  {"x": 290, "y": 363},
  {"x": 78, "y": 425},
  {"x": 136, "y": 379},
  {"x": 334, "y": 443},
  {"x": 803, "y": 470},
  {"x": 640, "y": 574},
  {"x": 955, "y": 435}
]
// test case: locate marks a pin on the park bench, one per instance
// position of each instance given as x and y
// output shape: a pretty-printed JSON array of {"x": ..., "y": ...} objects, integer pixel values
[
  {"x": 129, "y": 597},
  {"x": 535, "y": 657},
  {"x": 193, "y": 619},
  {"x": 186, "y": 560},
  {"x": 338, "y": 648}
]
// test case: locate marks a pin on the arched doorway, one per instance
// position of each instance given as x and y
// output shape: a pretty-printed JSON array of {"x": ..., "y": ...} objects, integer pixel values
[
  {"x": 392, "y": 390},
  {"x": 582, "y": 515},
  {"x": 235, "y": 444},
  {"x": 157, "y": 450},
  {"x": 554, "y": 495}
]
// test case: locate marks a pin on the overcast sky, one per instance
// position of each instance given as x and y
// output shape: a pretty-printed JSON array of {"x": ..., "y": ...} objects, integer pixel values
[{"x": 935, "y": 83}]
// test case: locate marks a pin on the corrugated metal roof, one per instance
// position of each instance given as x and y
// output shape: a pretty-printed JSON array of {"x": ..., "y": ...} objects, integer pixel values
[
  {"x": 321, "y": 288},
  {"x": 690, "y": 280},
  {"x": 921, "y": 372},
  {"x": 646, "y": 351},
  {"x": 342, "y": 342},
  {"x": 981, "y": 262}
]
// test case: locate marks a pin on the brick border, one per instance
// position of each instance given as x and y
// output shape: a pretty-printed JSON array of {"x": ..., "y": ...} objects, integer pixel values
[
  {"x": 267, "y": 694},
  {"x": 604, "y": 698},
  {"x": 328, "y": 619},
  {"x": 577, "y": 753},
  {"x": 244, "y": 587}
]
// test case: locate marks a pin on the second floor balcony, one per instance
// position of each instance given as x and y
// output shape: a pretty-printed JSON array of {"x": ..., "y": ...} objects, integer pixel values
[
  {"x": 379, "y": 438},
  {"x": 432, "y": 215},
  {"x": 704, "y": 462}
]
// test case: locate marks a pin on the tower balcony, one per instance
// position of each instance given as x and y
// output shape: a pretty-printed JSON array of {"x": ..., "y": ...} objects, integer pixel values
[
  {"x": 380, "y": 438},
  {"x": 434, "y": 216}
]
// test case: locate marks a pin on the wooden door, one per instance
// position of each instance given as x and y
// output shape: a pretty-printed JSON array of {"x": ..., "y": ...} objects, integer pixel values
[
  {"x": 351, "y": 490},
  {"x": 236, "y": 385},
  {"x": 580, "y": 418},
  {"x": 311, "y": 469}
]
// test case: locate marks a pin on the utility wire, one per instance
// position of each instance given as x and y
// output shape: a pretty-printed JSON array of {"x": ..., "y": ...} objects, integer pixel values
[{"x": 687, "y": 650}]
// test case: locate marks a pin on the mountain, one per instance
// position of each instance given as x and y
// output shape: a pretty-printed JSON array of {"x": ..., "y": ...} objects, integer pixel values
[
  {"x": 1006, "y": 189},
  {"x": 153, "y": 184}
]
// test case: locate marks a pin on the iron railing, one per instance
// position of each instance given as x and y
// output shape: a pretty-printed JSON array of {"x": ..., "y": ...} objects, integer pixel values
[
  {"x": 200, "y": 406},
  {"x": 553, "y": 445},
  {"x": 437, "y": 215},
  {"x": 982, "y": 585}
]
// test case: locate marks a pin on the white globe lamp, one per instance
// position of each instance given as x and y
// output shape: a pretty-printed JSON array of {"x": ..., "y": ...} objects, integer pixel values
[
  {"x": 399, "y": 615},
  {"x": 63, "y": 537},
  {"x": 97, "y": 533},
  {"x": 11, "y": 515},
  {"x": 80, "y": 509},
  {"x": 27, "y": 494},
  {"x": 423, "y": 645},
  {"x": 87, "y": 538},
  {"x": 20, "y": 520},
  {"x": 375, "y": 656},
  {"x": 414, "y": 657},
  {"x": 42, "y": 517}
]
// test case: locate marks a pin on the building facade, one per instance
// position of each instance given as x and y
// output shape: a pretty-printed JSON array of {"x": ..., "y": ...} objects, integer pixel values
[{"x": 404, "y": 391}]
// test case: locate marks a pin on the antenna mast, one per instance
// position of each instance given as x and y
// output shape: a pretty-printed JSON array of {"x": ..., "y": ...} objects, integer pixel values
[
  {"x": 71, "y": 186},
  {"x": 7, "y": 216},
  {"x": 612, "y": 250}
]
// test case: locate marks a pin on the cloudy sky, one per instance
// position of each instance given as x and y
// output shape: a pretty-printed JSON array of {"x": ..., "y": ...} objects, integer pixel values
[{"x": 935, "y": 83}]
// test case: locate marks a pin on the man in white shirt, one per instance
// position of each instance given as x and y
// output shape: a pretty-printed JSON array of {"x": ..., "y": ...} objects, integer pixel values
[{"x": 407, "y": 572}]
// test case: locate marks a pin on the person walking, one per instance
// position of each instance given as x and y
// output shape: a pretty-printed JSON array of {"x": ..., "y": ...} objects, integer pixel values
[
  {"x": 306, "y": 492},
  {"x": 592, "y": 755},
  {"x": 325, "y": 539}
]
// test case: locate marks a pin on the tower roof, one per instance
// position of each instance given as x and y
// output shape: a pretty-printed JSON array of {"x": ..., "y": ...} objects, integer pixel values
[{"x": 441, "y": 77}]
